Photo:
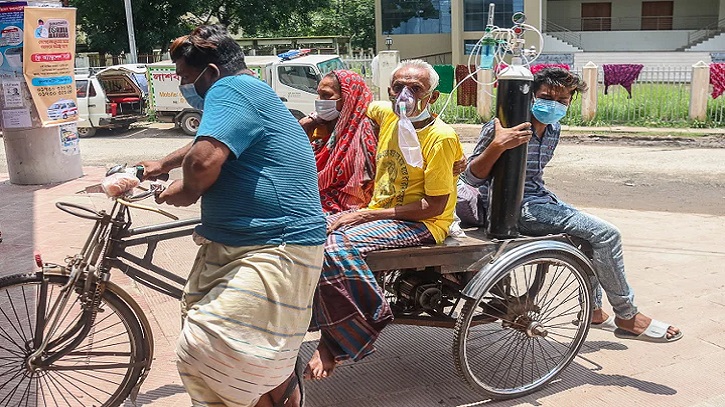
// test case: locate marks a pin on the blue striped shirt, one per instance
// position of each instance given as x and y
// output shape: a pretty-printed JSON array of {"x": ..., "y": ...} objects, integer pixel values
[
  {"x": 540, "y": 152},
  {"x": 267, "y": 190}
]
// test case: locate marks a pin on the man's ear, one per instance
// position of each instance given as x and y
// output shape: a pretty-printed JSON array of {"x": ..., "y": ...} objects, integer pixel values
[
  {"x": 390, "y": 93},
  {"x": 216, "y": 70},
  {"x": 434, "y": 96}
]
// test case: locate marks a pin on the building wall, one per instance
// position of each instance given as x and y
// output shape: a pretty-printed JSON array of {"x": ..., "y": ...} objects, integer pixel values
[
  {"x": 626, "y": 14},
  {"x": 598, "y": 41}
]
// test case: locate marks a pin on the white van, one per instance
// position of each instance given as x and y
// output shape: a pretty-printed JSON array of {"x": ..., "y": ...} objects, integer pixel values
[
  {"x": 294, "y": 77},
  {"x": 112, "y": 98}
]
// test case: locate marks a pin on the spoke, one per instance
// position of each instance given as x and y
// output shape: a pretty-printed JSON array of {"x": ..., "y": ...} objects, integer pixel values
[
  {"x": 561, "y": 289},
  {"x": 570, "y": 297},
  {"x": 557, "y": 275},
  {"x": 26, "y": 393},
  {"x": 560, "y": 335},
  {"x": 17, "y": 318},
  {"x": 27, "y": 310},
  {"x": 95, "y": 377},
  {"x": 508, "y": 335},
  {"x": 85, "y": 392},
  {"x": 63, "y": 392},
  {"x": 20, "y": 354},
  {"x": 9, "y": 396},
  {"x": 4, "y": 334}
]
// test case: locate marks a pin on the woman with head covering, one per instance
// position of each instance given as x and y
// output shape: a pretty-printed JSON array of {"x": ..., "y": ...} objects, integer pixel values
[{"x": 343, "y": 140}]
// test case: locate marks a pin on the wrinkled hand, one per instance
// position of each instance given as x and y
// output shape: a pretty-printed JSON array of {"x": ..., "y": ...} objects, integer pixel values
[
  {"x": 349, "y": 219},
  {"x": 511, "y": 137},
  {"x": 459, "y": 166},
  {"x": 152, "y": 170},
  {"x": 174, "y": 195}
]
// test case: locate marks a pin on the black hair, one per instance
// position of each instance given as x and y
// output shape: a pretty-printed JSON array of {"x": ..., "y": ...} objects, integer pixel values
[
  {"x": 209, "y": 44},
  {"x": 559, "y": 78}
]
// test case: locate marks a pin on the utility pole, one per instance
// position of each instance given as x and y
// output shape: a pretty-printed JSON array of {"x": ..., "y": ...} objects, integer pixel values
[{"x": 131, "y": 33}]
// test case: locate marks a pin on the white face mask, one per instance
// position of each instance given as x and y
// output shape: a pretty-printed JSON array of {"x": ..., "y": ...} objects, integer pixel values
[{"x": 327, "y": 109}]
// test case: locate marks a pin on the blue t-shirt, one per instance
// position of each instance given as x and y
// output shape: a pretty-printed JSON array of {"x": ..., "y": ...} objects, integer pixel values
[{"x": 267, "y": 190}]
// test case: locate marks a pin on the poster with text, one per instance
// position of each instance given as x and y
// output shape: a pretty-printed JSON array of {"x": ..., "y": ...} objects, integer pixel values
[
  {"x": 48, "y": 53},
  {"x": 11, "y": 37}
]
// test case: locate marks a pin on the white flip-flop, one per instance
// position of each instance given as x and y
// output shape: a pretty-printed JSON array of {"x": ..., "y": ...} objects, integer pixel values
[
  {"x": 608, "y": 325},
  {"x": 656, "y": 332}
]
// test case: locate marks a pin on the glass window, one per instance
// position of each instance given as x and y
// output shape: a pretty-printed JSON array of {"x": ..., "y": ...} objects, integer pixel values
[
  {"x": 299, "y": 77},
  {"x": 331, "y": 65},
  {"x": 475, "y": 13},
  {"x": 416, "y": 16},
  {"x": 91, "y": 90},
  {"x": 82, "y": 88}
]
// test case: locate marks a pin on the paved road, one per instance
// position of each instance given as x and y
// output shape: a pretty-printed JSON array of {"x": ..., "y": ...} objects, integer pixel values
[{"x": 673, "y": 242}]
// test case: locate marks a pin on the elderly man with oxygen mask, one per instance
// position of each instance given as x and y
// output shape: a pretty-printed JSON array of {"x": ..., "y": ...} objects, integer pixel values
[{"x": 413, "y": 201}]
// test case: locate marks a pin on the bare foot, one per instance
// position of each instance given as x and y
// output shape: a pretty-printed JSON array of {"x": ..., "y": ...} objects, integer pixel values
[
  {"x": 268, "y": 399},
  {"x": 639, "y": 324},
  {"x": 599, "y": 316},
  {"x": 321, "y": 364}
]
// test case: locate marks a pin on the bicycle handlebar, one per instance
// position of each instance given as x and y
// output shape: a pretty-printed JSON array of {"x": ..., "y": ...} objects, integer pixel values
[{"x": 68, "y": 208}]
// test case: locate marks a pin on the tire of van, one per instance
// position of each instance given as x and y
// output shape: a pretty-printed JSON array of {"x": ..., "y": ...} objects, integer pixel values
[
  {"x": 85, "y": 132},
  {"x": 297, "y": 114},
  {"x": 190, "y": 123}
]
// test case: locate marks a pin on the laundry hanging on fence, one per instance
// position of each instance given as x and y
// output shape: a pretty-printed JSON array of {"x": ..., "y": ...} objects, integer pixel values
[
  {"x": 621, "y": 74},
  {"x": 445, "y": 78},
  {"x": 717, "y": 79},
  {"x": 468, "y": 90}
]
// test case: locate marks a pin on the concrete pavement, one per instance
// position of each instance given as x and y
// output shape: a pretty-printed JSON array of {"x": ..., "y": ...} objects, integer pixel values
[{"x": 675, "y": 263}]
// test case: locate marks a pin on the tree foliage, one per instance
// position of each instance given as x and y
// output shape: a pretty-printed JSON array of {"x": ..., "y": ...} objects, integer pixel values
[
  {"x": 252, "y": 17},
  {"x": 156, "y": 23},
  {"x": 352, "y": 18}
]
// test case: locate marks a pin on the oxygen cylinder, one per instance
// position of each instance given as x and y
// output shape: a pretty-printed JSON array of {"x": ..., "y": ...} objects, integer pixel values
[{"x": 508, "y": 175}]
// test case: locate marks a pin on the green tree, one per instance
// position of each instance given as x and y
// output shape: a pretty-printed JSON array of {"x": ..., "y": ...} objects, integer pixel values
[
  {"x": 352, "y": 18},
  {"x": 156, "y": 23},
  {"x": 252, "y": 17}
]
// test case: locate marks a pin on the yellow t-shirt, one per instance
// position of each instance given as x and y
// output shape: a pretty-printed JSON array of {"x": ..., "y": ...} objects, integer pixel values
[{"x": 397, "y": 183}]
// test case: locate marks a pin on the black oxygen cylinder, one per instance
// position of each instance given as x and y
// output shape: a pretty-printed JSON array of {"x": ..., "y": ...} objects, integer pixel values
[{"x": 508, "y": 175}]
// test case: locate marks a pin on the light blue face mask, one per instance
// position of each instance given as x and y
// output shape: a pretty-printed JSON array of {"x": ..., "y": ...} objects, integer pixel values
[
  {"x": 188, "y": 91},
  {"x": 548, "y": 111}
]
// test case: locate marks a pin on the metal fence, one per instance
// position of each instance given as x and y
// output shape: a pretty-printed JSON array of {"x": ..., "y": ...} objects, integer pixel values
[{"x": 660, "y": 98}]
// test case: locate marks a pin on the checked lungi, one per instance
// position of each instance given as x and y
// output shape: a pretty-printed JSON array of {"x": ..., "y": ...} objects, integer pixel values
[
  {"x": 247, "y": 310},
  {"x": 349, "y": 307}
]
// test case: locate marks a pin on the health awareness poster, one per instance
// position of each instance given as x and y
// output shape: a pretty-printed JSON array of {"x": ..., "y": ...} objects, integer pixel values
[{"x": 49, "y": 53}]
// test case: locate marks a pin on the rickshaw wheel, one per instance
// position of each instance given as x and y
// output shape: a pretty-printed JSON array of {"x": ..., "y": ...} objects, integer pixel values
[{"x": 519, "y": 334}]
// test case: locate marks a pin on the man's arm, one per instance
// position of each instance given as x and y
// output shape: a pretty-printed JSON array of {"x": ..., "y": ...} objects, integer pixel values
[
  {"x": 152, "y": 169},
  {"x": 201, "y": 167},
  {"x": 426, "y": 208},
  {"x": 503, "y": 139}
]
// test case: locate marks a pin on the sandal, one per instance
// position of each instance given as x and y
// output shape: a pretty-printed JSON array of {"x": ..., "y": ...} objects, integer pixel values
[
  {"x": 293, "y": 384},
  {"x": 656, "y": 332}
]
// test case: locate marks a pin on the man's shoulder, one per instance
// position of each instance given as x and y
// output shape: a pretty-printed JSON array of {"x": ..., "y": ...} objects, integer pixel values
[
  {"x": 380, "y": 107},
  {"x": 442, "y": 130}
]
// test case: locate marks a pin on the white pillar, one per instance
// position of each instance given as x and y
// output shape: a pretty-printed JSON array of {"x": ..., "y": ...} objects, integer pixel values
[
  {"x": 387, "y": 61},
  {"x": 36, "y": 156},
  {"x": 484, "y": 104},
  {"x": 590, "y": 75},
  {"x": 698, "y": 91}
]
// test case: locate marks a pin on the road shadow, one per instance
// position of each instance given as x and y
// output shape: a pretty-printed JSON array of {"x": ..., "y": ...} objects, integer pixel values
[
  {"x": 414, "y": 367},
  {"x": 17, "y": 226},
  {"x": 150, "y": 396}
]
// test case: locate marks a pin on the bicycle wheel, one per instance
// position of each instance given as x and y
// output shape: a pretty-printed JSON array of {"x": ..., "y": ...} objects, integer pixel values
[
  {"x": 519, "y": 335},
  {"x": 99, "y": 371}
]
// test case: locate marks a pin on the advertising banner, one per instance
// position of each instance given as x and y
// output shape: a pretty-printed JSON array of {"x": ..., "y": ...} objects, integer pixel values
[{"x": 48, "y": 54}]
